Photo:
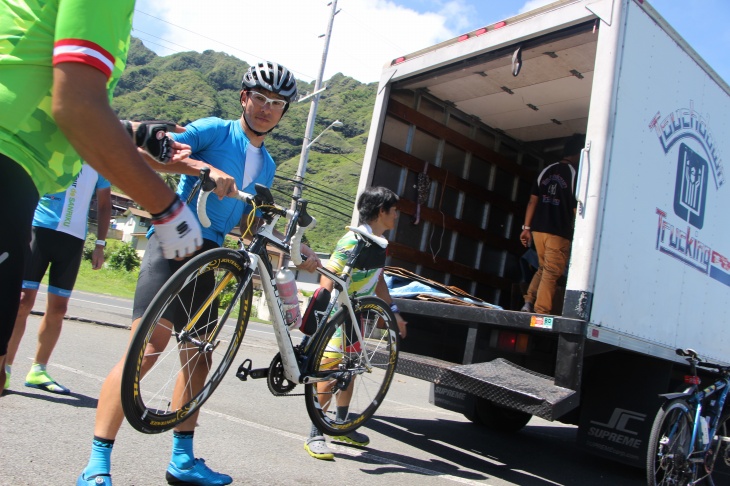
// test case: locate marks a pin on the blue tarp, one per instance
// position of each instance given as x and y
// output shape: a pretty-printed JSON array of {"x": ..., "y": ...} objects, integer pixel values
[{"x": 404, "y": 288}]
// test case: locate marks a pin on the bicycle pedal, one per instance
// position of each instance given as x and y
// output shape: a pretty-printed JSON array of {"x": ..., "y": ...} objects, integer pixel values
[{"x": 244, "y": 370}]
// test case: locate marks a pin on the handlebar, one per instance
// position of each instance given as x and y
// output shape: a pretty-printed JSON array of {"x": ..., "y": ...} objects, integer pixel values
[
  {"x": 378, "y": 240},
  {"x": 264, "y": 201}
]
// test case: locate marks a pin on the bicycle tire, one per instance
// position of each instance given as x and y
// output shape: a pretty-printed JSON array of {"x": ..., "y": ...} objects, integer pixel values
[
  {"x": 336, "y": 346},
  {"x": 669, "y": 441},
  {"x": 155, "y": 362}
]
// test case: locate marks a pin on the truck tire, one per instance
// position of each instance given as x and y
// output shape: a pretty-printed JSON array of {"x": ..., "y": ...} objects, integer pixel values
[{"x": 497, "y": 418}]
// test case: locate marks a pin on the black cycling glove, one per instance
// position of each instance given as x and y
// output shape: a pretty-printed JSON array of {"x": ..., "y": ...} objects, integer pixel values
[{"x": 152, "y": 137}]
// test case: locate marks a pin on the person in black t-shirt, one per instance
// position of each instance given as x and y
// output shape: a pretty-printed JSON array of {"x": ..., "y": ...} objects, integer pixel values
[{"x": 549, "y": 223}]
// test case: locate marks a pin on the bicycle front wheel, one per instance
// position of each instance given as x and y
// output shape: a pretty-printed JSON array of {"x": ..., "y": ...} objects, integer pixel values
[
  {"x": 186, "y": 341},
  {"x": 670, "y": 444},
  {"x": 361, "y": 372}
]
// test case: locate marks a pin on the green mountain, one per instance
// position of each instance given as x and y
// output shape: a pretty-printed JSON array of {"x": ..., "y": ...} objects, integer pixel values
[{"x": 186, "y": 86}]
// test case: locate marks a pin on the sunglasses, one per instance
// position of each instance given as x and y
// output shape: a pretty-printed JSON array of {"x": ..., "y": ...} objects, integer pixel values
[{"x": 261, "y": 100}]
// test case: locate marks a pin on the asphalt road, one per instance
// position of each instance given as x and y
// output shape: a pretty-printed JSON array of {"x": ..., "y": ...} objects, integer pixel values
[{"x": 257, "y": 438}]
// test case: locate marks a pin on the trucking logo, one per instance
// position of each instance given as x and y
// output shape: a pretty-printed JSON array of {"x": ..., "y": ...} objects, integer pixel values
[{"x": 698, "y": 159}]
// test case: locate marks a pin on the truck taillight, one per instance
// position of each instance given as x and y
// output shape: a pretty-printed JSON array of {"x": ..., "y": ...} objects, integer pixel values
[
  {"x": 481, "y": 31},
  {"x": 511, "y": 341},
  {"x": 692, "y": 380},
  {"x": 398, "y": 60},
  {"x": 499, "y": 25},
  {"x": 463, "y": 37}
]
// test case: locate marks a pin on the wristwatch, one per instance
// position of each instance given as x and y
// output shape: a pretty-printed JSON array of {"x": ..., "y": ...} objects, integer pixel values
[
  {"x": 525, "y": 227},
  {"x": 101, "y": 242}
]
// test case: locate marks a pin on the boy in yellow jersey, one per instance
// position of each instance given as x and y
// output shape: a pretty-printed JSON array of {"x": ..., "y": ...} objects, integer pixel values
[{"x": 378, "y": 213}]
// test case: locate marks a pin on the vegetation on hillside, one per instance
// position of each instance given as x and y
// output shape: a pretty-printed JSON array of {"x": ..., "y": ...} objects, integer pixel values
[{"x": 187, "y": 86}]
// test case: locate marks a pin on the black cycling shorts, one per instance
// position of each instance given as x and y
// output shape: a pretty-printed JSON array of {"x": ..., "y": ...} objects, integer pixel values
[
  {"x": 18, "y": 200},
  {"x": 59, "y": 250},
  {"x": 155, "y": 271}
]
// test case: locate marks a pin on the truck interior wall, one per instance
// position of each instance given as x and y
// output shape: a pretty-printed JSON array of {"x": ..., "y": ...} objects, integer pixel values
[
  {"x": 469, "y": 222},
  {"x": 463, "y": 228}
]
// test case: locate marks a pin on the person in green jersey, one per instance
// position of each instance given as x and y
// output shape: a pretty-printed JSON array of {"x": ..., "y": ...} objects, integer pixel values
[
  {"x": 377, "y": 210},
  {"x": 59, "y": 64}
]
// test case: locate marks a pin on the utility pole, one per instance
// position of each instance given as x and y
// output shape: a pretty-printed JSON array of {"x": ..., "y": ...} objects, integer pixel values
[{"x": 301, "y": 170}]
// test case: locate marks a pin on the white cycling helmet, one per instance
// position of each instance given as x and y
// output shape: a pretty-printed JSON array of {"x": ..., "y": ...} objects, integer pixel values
[{"x": 273, "y": 77}]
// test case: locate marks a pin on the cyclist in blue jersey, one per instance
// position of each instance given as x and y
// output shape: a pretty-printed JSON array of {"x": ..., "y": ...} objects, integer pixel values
[
  {"x": 235, "y": 153},
  {"x": 59, "y": 233}
]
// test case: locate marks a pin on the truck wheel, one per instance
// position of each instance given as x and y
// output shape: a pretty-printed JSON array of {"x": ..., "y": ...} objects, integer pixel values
[{"x": 497, "y": 418}]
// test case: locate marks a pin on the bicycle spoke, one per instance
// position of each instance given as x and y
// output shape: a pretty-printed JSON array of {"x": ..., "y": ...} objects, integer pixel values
[
  {"x": 365, "y": 369},
  {"x": 185, "y": 342}
]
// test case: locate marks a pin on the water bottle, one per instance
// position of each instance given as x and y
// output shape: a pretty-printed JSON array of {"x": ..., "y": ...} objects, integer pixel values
[
  {"x": 704, "y": 431},
  {"x": 287, "y": 285}
]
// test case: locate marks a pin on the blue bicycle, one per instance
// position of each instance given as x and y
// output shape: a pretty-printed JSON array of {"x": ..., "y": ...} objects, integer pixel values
[{"x": 689, "y": 441}]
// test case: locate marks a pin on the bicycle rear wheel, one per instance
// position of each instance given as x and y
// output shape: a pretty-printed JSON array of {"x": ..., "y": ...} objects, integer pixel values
[
  {"x": 343, "y": 404},
  {"x": 670, "y": 443},
  {"x": 186, "y": 341}
]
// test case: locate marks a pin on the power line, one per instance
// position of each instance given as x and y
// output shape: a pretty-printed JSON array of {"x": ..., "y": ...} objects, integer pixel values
[
  {"x": 349, "y": 202},
  {"x": 187, "y": 99},
  {"x": 358, "y": 162},
  {"x": 164, "y": 40},
  {"x": 346, "y": 197},
  {"x": 347, "y": 217},
  {"x": 346, "y": 205},
  {"x": 209, "y": 38}
]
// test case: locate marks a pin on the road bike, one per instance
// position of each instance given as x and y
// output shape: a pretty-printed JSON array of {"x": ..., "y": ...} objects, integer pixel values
[
  {"x": 689, "y": 442},
  {"x": 348, "y": 361}
]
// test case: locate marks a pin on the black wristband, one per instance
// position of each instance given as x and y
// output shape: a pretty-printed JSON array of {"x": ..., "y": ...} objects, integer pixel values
[
  {"x": 128, "y": 126},
  {"x": 171, "y": 210}
]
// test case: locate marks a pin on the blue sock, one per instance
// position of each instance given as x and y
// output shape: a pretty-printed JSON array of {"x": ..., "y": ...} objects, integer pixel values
[
  {"x": 182, "y": 449},
  {"x": 100, "y": 460}
]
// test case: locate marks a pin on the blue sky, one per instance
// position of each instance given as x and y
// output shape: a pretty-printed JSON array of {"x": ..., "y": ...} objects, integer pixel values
[{"x": 369, "y": 33}]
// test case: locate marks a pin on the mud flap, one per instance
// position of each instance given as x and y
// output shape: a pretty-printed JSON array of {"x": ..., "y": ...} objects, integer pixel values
[{"x": 619, "y": 401}]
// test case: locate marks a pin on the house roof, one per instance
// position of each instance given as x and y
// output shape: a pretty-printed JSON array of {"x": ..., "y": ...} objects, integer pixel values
[{"x": 138, "y": 212}]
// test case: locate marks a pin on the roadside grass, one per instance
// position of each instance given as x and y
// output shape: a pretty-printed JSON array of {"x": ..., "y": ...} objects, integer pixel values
[
  {"x": 107, "y": 281},
  {"x": 119, "y": 283}
]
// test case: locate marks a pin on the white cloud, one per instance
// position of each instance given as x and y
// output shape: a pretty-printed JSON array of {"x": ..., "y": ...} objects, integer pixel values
[
  {"x": 366, "y": 35},
  {"x": 533, "y": 4}
]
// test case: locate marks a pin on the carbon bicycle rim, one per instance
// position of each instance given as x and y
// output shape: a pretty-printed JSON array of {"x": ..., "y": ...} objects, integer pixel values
[
  {"x": 186, "y": 341},
  {"x": 355, "y": 391},
  {"x": 670, "y": 444}
]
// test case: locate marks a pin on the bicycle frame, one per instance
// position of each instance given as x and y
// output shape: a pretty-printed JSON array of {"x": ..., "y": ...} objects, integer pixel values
[
  {"x": 697, "y": 399},
  {"x": 258, "y": 258},
  {"x": 292, "y": 371}
]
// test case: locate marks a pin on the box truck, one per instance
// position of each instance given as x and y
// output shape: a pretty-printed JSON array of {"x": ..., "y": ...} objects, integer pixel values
[{"x": 461, "y": 130}]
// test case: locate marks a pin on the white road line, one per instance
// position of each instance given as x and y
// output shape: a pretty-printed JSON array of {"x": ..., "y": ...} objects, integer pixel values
[
  {"x": 75, "y": 299},
  {"x": 282, "y": 433},
  {"x": 344, "y": 450},
  {"x": 102, "y": 304}
]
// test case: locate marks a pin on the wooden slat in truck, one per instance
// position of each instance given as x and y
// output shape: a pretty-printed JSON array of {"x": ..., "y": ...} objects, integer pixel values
[{"x": 475, "y": 119}]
